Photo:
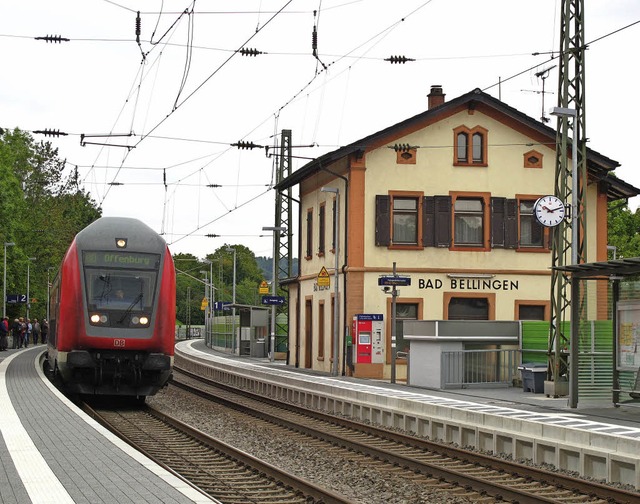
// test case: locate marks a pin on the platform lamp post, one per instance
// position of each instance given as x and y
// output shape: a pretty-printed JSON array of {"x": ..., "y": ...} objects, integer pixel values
[
  {"x": 206, "y": 296},
  {"x": 274, "y": 280},
  {"x": 336, "y": 304},
  {"x": 29, "y": 259},
  {"x": 233, "y": 302},
  {"x": 4, "y": 280},
  {"x": 209, "y": 312},
  {"x": 565, "y": 113},
  {"x": 48, "y": 291}
]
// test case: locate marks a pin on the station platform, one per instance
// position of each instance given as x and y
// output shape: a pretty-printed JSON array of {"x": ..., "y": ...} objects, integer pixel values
[
  {"x": 51, "y": 452},
  {"x": 596, "y": 439}
]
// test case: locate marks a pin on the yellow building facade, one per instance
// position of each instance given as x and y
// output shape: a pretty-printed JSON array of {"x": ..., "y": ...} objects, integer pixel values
[{"x": 448, "y": 197}]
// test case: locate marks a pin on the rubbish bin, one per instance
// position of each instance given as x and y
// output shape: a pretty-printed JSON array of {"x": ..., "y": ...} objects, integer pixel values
[{"x": 533, "y": 376}]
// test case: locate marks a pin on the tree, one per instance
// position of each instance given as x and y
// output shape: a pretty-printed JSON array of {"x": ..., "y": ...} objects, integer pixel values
[
  {"x": 624, "y": 229},
  {"x": 40, "y": 211}
]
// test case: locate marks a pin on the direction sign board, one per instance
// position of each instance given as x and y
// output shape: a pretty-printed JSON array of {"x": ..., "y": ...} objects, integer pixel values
[
  {"x": 394, "y": 280},
  {"x": 273, "y": 300}
]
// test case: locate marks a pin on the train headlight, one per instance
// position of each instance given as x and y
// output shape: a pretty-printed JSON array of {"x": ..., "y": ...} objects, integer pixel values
[
  {"x": 144, "y": 320},
  {"x": 98, "y": 319},
  {"x": 135, "y": 320}
]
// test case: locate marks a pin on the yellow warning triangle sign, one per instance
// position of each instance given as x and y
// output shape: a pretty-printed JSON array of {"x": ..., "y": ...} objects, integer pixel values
[{"x": 323, "y": 278}]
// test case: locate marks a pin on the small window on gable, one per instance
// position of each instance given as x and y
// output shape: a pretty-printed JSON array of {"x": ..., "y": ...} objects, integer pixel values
[
  {"x": 470, "y": 146},
  {"x": 406, "y": 156},
  {"x": 532, "y": 159},
  {"x": 462, "y": 141}
]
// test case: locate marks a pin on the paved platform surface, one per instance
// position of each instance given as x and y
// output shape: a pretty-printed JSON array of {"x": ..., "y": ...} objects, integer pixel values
[
  {"x": 50, "y": 452},
  {"x": 594, "y": 415}
]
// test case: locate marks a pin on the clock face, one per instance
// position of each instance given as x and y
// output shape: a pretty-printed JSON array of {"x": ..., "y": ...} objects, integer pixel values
[{"x": 549, "y": 210}]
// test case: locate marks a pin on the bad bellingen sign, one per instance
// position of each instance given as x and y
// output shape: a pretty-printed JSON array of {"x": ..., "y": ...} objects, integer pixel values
[{"x": 468, "y": 284}]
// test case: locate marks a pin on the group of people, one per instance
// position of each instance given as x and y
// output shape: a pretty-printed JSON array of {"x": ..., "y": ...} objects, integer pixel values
[{"x": 23, "y": 331}]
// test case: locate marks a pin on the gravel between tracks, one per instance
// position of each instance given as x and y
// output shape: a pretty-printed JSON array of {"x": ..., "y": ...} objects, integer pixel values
[{"x": 370, "y": 483}]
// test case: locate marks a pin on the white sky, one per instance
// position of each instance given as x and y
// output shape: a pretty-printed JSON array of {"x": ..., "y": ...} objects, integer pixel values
[{"x": 97, "y": 84}]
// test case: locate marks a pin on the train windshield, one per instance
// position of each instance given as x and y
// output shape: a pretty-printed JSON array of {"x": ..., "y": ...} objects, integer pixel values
[{"x": 120, "y": 281}]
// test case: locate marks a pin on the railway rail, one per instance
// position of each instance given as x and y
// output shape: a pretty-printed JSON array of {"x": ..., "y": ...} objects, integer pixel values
[
  {"x": 468, "y": 474},
  {"x": 215, "y": 468}
]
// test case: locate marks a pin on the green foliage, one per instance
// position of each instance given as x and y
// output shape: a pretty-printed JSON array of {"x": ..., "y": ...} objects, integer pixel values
[
  {"x": 40, "y": 211},
  {"x": 624, "y": 230},
  {"x": 191, "y": 282}
]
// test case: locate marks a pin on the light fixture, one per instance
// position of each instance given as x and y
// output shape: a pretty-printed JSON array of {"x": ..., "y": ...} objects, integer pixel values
[
  {"x": 470, "y": 275},
  {"x": 121, "y": 242}
]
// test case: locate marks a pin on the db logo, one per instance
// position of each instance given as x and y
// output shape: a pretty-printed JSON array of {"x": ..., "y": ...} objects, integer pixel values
[{"x": 118, "y": 343}]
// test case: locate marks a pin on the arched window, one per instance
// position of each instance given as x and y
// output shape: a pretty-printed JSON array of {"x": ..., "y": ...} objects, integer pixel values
[{"x": 470, "y": 146}]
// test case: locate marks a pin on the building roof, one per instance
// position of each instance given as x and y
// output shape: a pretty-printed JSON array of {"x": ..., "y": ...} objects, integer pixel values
[{"x": 599, "y": 167}]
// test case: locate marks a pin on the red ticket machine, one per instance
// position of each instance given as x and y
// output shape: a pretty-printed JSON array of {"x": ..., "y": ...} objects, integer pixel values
[{"x": 368, "y": 338}]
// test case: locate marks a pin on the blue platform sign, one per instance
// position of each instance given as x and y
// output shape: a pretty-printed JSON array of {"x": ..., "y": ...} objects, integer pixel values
[
  {"x": 394, "y": 280},
  {"x": 221, "y": 305},
  {"x": 16, "y": 298},
  {"x": 273, "y": 300}
]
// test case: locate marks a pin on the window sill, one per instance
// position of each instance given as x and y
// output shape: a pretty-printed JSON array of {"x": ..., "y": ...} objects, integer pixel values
[
  {"x": 535, "y": 250},
  {"x": 473, "y": 165},
  {"x": 405, "y": 246},
  {"x": 471, "y": 248}
]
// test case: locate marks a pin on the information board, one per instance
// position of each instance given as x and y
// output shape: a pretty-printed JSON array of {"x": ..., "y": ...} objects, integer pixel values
[{"x": 628, "y": 335}]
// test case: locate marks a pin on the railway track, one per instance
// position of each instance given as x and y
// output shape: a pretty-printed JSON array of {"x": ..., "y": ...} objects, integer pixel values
[
  {"x": 468, "y": 474},
  {"x": 215, "y": 468}
]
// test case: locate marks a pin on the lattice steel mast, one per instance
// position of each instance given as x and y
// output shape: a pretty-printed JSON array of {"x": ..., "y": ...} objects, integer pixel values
[
  {"x": 571, "y": 92},
  {"x": 284, "y": 260}
]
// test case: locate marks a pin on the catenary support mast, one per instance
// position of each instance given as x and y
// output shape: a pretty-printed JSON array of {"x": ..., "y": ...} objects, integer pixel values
[{"x": 568, "y": 243}]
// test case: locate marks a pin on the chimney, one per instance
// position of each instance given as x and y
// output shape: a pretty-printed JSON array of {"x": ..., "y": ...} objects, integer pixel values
[{"x": 436, "y": 96}]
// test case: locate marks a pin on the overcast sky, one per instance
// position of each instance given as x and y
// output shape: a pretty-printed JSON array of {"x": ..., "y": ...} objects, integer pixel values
[{"x": 184, "y": 93}]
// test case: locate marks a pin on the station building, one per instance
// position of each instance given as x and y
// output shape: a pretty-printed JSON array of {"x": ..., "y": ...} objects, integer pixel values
[{"x": 447, "y": 197}]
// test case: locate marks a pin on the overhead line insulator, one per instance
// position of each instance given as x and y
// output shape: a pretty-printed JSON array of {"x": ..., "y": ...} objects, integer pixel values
[
  {"x": 398, "y": 59},
  {"x": 53, "y": 38},
  {"x": 212, "y": 236},
  {"x": 246, "y": 145},
  {"x": 50, "y": 132},
  {"x": 138, "y": 26},
  {"x": 249, "y": 51}
]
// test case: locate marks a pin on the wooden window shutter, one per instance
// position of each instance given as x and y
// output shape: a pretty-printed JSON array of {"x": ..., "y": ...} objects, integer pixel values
[
  {"x": 511, "y": 224},
  {"x": 498, "y": 222},
  {"x": 383, "y": 220},
  {"x": 442, "y": 221},
  {"x": 428, "y": 221}
]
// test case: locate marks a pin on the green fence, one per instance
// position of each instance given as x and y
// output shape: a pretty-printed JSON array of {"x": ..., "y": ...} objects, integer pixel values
[{"x": 595, "y": 367}]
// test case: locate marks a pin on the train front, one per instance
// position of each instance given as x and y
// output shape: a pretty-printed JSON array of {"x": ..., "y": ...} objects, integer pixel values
[{"x": 125, "y": 342}]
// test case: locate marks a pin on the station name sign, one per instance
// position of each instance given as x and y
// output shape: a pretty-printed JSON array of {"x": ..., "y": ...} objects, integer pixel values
[
  {"x": 471, "y": 284},
  {"x": 394, "y": 280}
]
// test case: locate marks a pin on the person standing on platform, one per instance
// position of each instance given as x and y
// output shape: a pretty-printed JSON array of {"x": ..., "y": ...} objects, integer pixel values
[
  {"x": 35, "y": 331},
  {"x": 4, "y": 333},
  {"x": 26, "y": 332},
  {"x": 44, "y": 330},
  {"x": 16, "y": 331}
]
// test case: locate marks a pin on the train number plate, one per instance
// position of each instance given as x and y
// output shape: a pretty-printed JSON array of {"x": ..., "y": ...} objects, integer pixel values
[{"x": 119, "y": 343}]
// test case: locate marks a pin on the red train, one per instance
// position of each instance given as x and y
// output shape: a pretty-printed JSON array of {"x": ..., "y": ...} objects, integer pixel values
[{"x": 113, "y": 309}]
